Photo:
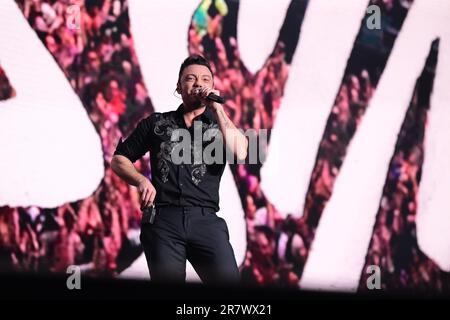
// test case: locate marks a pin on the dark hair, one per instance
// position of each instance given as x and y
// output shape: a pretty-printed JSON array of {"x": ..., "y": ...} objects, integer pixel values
[{"x": 194, "y": 59}]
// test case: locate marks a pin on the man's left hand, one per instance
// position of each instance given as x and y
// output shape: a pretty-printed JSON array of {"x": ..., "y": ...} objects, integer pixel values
[{"x": 203, "y": 94}]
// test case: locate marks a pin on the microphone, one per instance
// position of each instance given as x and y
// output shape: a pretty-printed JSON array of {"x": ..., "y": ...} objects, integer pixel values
[
  {"x": 215, "y": 98},
  {"x": 211, "y": 97}
]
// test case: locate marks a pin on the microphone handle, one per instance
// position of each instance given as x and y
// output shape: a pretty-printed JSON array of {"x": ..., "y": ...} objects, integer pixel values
[{"x": 215, "y": 98}]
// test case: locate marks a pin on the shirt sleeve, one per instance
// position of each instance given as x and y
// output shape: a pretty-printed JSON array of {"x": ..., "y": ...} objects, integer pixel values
[{"x": 138, "y": 143}]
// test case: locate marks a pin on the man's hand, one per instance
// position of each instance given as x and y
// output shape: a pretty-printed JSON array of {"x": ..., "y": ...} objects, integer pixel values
[
  {"x": 203, "y": 92},
  {"x": 147, "y": 193},
  {"x": 125, "y": 169}
]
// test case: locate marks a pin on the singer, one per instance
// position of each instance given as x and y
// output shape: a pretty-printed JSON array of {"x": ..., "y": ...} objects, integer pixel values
[{"x": 184, "y": 198}]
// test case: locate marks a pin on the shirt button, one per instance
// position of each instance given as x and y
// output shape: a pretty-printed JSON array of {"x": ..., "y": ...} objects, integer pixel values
[
  {"x": 181, "y": 184},
  {"x": 182, "y": 166}
]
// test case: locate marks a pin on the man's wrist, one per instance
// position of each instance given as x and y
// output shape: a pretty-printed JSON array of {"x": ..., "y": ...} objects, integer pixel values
[
  {"x": 216, "y": 107},
  {"x": 140, "y": 179}
]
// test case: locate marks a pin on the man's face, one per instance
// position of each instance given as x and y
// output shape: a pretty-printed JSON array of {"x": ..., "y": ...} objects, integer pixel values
[{"x": 193, "y": 77}]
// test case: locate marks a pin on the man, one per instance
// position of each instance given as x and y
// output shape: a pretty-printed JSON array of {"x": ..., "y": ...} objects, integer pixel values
[{"x": 185, "y": 195}]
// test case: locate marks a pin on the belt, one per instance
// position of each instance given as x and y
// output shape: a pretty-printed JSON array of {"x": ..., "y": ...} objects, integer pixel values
[{"x": 185, "y": 209}]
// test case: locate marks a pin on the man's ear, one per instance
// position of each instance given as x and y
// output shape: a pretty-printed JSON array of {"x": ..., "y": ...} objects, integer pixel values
[{"x": 178, "y": 88}]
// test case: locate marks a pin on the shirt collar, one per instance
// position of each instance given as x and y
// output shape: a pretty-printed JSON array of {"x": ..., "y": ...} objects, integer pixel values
[{"x": 207, "y": 116}]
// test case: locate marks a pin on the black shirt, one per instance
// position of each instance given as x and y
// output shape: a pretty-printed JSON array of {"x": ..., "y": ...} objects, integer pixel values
[{"x": 185, "y": 184}]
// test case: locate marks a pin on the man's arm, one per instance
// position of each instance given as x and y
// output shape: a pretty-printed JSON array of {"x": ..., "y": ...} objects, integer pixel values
[
  {"x": 125, "y": 169},
  {"x": 234, "y": 139},
  {"x": 129, "y": 151}
]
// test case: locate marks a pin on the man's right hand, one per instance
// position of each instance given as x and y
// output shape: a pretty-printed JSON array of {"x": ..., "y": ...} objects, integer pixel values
[{"x": 147, "y": 193}]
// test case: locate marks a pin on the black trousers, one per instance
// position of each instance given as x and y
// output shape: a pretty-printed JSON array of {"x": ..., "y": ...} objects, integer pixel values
[{"x": 193, "y": 233}]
